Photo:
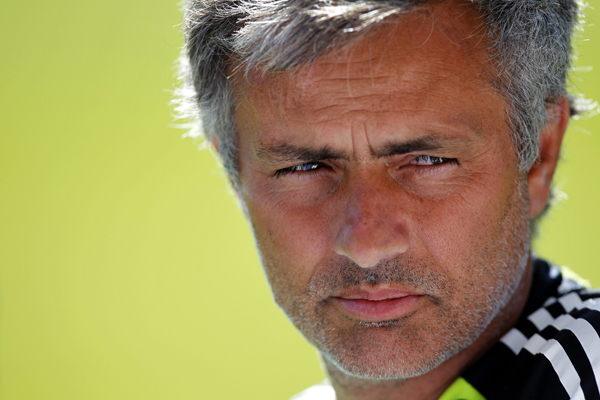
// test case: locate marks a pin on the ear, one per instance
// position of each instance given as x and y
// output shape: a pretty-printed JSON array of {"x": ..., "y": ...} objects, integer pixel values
[{"x": 541, "y": 173}]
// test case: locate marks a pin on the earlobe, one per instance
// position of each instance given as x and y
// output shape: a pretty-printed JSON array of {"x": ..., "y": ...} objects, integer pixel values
[{"x": 541, "y": 173}]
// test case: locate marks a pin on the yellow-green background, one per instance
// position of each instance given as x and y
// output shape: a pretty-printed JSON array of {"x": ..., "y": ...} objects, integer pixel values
[{"x": 126, "y": 270}]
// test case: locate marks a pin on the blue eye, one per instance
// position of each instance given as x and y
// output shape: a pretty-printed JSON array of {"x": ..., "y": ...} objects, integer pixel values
[
  {"x": 304, "y": 167},
  {"x": 431, "y": 160}
]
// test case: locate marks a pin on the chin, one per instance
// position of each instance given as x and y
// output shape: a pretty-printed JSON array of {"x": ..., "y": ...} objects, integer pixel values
[
  {"x": 384, "y": 368},
  {"x": 383, "y": 354}
]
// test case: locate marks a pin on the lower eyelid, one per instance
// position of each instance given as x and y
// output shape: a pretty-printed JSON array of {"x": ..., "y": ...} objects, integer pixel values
[{"x": 431, "y": 168}]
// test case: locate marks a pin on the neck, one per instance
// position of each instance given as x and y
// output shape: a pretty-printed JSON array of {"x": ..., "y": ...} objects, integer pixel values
[{"x": 431, "y": 385}]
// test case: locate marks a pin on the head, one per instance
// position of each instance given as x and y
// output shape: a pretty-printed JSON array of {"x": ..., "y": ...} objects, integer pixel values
[{"x": 385, "y": 153}]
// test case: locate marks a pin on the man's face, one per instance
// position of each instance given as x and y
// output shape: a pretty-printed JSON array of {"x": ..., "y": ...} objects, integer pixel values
[{"x": 384, "y": 195}]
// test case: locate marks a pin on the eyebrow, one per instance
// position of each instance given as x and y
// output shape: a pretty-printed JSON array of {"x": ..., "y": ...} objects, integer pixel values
[
  {"x": 287, "y": 152},
  {"x": 427, "y": 143}
]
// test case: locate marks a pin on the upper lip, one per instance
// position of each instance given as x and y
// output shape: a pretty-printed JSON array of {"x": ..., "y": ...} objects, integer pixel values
[{"x": 376, "y": 293}]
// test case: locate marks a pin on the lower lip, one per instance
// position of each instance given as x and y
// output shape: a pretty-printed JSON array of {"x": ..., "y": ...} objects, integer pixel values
[{"x": 378, "y": 311}]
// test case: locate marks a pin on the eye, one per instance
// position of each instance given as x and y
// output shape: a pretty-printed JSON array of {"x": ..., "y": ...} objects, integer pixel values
[
  {"x": 304, "y": 167},
  {"x": 431, "y": 160}
]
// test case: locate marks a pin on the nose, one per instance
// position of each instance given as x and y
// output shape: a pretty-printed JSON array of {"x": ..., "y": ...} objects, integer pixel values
[{"x": 373, "y": 225}]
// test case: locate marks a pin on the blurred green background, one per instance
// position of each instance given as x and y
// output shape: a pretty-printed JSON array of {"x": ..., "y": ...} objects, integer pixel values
[{"x": 126, "y": 269}]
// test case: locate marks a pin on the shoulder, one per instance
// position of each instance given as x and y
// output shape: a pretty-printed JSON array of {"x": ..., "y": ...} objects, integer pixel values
[
  {"x": 565, "y": 313},
  {"x": 553, "y": 353},
  {"x": 321, "y": 391},
  {"x": 563, "y": 344},
  {"x": 572, "y": 319}
]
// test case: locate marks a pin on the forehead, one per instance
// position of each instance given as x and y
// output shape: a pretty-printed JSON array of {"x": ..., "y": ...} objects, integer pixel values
[{"x": 430, "y": 62}]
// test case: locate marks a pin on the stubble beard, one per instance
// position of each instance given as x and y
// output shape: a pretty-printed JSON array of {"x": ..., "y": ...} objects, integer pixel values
[{"x": 459, "y": 311}]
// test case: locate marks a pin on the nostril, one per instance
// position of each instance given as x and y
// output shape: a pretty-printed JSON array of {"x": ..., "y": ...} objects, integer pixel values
[
  {"x": 358, "y": 259},
  {"x": 368, "y": 258}
]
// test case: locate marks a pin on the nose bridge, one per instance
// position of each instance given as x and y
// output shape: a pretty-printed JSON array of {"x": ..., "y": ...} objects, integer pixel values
[
  {"x": 368, "y": 203},
  {"x": 373, "y": 226}
]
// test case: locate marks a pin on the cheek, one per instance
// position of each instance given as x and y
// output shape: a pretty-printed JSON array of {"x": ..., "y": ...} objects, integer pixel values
[
  {"x": 460, "y": 229},
  {"x": 293, "y": 241}
]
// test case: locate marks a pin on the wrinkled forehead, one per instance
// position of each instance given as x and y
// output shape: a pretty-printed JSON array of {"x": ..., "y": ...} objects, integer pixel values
[
  {"x": 381, "y": 55},
  {"x": 439, "y": 48}
]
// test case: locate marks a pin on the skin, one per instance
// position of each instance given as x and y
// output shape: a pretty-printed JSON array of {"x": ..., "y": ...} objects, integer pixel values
[{"x": 389, "y": 165}]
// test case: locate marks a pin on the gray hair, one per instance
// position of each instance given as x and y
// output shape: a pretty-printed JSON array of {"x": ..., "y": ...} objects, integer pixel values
[{"x": 530, "y": 47}]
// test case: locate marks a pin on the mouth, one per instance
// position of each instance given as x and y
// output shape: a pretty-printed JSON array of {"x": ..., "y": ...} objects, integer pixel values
[{"x": 378, "y": 304}]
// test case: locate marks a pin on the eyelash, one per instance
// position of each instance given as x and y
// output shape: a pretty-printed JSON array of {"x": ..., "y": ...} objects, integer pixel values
[{"x": 300, "y": 168}]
